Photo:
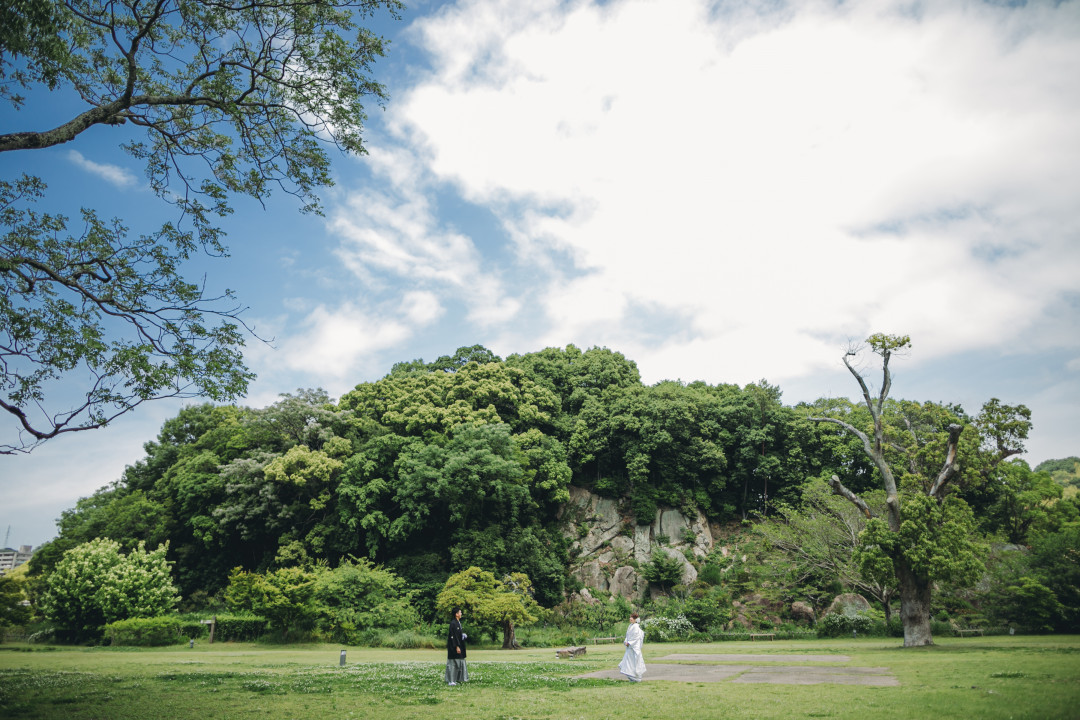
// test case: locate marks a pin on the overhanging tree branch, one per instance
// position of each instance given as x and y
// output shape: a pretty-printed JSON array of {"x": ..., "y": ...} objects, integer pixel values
[{"x": 233, "y": 98}]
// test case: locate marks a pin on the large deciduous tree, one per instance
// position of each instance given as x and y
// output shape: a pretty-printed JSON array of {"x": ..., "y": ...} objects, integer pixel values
[
  {"x": 222, "y": 98},
  {"x": 925, "y": 535}
]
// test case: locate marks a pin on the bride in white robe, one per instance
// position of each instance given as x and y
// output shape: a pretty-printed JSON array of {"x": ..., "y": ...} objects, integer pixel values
[{"x": 632, "y": 665}]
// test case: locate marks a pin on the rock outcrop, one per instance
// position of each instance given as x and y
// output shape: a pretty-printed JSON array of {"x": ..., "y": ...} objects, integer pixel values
[{"x": 606, "y": 540}]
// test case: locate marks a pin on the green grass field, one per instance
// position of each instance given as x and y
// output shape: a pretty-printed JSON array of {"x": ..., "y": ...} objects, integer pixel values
[{"x": 998, "y": 677}]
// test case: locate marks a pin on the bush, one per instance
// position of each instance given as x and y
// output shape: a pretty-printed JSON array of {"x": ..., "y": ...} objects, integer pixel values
[
  {"x": 156, "y": 631},
  {"x": 409, "y": 640},
  {"x": 840, "y": 625},
  {"x": 239, "y": 627},
  {"x": 192, "y": 628},
  {"x": 665, "y": 629},
  {"x": 705, "y": 612},
  {"x": 94, "y": 584},
  {"x": 711, "y": 574}
]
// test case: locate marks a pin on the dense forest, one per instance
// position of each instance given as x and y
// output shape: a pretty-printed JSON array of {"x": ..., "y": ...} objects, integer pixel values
[{"x": 465, "y": 462}]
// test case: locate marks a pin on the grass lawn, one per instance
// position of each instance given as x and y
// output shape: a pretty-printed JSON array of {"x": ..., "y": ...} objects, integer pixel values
[{"x": 996, "y": 677}]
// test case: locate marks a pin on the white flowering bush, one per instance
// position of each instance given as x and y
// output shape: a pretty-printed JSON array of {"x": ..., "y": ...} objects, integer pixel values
[
  {"x": 94, "y": 584},
  {"x": 667, "y": 629}
]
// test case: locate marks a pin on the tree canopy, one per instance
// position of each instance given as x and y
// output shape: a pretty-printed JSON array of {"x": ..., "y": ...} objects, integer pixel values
[
  {"x": 223, "y": 99},
  {"x": 384, "y": 494}
]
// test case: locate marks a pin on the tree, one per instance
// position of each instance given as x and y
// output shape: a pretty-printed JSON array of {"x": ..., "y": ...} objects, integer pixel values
[
  {"x": 226, "y": 99},
  {"x": 358, "y": 595},
  {"x": 924, "y": 536},
  {"x": 820, "y": 539},
  {"x": 663, "y": 569},
  {"x": 283, "y": 596},
  {"x": 490, "y": 602},
  {"x": 13, "y": 611},
  {"x": 94, "y": 584},
  {"x": 1024, "y": 502},
  {"x": 1065, "y": 471}
]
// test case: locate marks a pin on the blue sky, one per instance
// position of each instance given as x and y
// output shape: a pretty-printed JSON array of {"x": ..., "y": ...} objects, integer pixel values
[{"x": 722, "y": 191}]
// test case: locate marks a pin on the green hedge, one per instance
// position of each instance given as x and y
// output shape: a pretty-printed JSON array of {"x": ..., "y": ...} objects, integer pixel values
[
  {"x": 839, "y": 625},
  {"x": 164, "y": 630},
  {"x": 239, "y": 627}
]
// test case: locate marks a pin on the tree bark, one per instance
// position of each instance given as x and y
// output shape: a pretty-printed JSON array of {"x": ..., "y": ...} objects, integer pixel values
[
  {"x": 509, "y": 638},
  {"x": 914, "y": 606}
]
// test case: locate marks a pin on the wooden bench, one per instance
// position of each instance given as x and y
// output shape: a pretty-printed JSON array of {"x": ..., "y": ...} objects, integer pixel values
[
  {"x": 598, "y": 640},
  {"x": 755, "y": 636},
  {"x": 970, "y": 631},
  {"x": 570, "y": 652}
]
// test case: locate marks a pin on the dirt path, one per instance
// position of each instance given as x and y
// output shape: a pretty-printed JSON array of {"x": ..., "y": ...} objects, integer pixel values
[{"x": 746, "y": 669}]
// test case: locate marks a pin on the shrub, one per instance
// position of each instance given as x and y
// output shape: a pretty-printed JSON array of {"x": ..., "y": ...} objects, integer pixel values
[
  {"x": 94, "y": 584},
  {"x": 665, "y": 629},
  {"x": 706, "y": 611},
  {"x": 358, "y": 596},
  {"x": 156, "y": 631},
  {"x": 662, "y": 569},
  {"x": 711, "y": 574},
  {"x": 409, "y": 640},
  {"x": 192, "y": 627},
  {"x": 239, "y": 627},
  {"x": 839, "y": 625}
]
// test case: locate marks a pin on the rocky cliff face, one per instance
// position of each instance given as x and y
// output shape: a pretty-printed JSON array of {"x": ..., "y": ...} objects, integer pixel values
[{"x": 606, "y": 540}]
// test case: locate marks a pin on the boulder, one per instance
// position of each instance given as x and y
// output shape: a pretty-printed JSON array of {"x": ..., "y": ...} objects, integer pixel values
[
  {"x": 590, "y": 575},
  {"x": 848, "y": 604},
  {"x": 627, "y": 582},
  {"x": 802, "y": 612},
  {"x": 622, "y": 545}
]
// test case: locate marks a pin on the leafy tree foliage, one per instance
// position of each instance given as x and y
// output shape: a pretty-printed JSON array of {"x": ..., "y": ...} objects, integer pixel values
[
  {"x": 490, "y": 602},
  {"x": 357, "y": 596},
  {"x": 227, "y": 99},
  {"x": 438, "y": 468},
  {"x": 1056, "y": 565},
  {"x": 282, "y": 596},
  {"x": 1065, "y": 471},
  {"x": 663, "y": 569},
  {"x": 819, "y": 540},
  {"x": 95, "y": 583},
  {"x": 12, "y": 597}
]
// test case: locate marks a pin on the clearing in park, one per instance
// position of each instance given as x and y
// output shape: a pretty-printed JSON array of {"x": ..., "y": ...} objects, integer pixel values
[{"x": 977, "y": 677}]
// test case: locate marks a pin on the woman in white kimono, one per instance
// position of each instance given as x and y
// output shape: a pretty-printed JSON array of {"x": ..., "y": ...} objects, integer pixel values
[{"x": 632, "y": 665}]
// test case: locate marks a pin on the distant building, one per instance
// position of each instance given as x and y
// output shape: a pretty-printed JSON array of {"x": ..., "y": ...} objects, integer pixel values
[{"x": 10, "y": 558}]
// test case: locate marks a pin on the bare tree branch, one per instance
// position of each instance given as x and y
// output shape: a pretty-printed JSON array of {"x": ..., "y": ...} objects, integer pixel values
[
  {"x": 949, "y": 469},
  {"x": 839, "y": 489}
]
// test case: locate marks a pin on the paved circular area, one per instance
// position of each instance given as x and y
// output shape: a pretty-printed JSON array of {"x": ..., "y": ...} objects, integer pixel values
[{"x": 746, "y": 669}]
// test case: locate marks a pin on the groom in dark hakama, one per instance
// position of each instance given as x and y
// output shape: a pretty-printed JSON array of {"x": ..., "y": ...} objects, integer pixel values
[{"x": 456, "y": 671}]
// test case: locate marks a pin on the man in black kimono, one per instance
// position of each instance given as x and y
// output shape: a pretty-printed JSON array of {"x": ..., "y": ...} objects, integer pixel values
[{"x": 456, "y": 671}]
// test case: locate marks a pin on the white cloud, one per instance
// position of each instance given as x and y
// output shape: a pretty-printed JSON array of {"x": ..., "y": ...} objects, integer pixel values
[
  {"x": 114, "y": 174},
  {"x": 396, "y": 237},
  {"x": 771, "y": 183},
  {"x": 336, "y": 342},
  {"x": 422, "y": 308}
]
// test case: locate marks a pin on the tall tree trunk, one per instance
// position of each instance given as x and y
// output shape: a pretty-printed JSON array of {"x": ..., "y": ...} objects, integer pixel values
[
  {"x": 509, "y": 639},
  {"x": 914, "y": 606}
]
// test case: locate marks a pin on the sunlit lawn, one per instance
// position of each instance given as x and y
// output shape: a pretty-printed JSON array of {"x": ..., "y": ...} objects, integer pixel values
[{"x": 1000, "y": 677}]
